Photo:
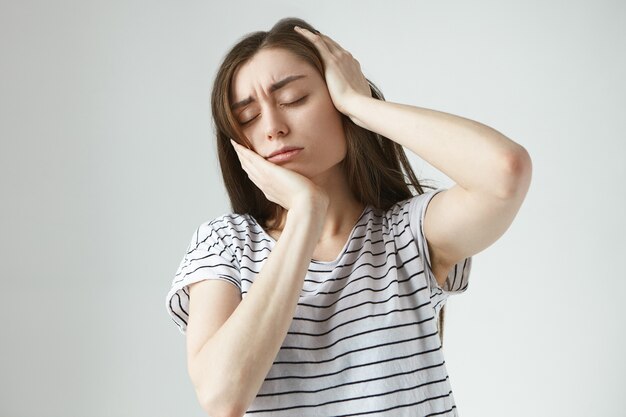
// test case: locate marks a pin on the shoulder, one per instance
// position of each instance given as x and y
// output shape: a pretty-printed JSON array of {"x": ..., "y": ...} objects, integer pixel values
[
  {"x": 417, "y": 204},
  {"x": 410, "y": 211},
  {"x": 394, "y": 220},
  {"x": 226, "y": 222},
  {"x": 414, "y": 209},
  {"x": 227, "y": 227},
  {"x": 412, "y": 204}
]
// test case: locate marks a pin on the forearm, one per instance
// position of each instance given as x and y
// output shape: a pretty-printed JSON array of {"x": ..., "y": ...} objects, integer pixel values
[
  {"x": 473, "y": 155},
  {"x": 236, "y": 360}
]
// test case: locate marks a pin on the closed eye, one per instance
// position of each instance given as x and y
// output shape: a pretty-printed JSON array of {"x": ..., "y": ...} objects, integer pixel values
[{"x": 293, "y": 103}]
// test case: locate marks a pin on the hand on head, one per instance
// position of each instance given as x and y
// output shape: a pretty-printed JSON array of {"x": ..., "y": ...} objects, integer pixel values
[{"x": 341, "y": 70}]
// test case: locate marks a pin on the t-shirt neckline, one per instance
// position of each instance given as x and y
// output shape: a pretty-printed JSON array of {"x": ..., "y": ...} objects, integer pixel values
[{"x": 343, "y": 250}]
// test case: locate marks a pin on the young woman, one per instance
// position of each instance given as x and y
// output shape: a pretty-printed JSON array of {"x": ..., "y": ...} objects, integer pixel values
[{"x": 322, "y": 294}]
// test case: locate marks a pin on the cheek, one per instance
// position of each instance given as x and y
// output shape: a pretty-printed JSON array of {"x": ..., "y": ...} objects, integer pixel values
[
  {"x": 331, "y": 136},
  {"x": 252, "y": 139},
  {"x": 326, "y": 116}
]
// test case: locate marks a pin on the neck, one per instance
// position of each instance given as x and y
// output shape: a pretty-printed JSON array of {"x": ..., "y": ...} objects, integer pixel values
[{"x": 343, "y": 211}]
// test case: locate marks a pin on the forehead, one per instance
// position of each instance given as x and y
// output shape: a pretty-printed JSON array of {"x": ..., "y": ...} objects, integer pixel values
[{"x": 265, "y": 68}]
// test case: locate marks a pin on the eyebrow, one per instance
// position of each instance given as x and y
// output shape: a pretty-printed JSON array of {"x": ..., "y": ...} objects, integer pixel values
[{"x": 277, "y": 85}]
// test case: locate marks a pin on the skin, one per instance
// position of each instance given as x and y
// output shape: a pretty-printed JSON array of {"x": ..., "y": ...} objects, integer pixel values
[
  {"x": 491, "y": 172},
  {"x": 313, "y": 124}
]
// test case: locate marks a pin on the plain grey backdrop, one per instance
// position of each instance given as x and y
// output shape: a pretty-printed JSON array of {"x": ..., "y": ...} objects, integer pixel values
[{"x": 108, "y": 165}]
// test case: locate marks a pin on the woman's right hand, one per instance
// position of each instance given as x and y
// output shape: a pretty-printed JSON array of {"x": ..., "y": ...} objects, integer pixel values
[{"x": 280, "y": 185}]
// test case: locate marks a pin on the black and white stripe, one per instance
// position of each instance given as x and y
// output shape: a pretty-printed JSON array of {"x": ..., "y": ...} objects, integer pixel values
[{"x": 364, "y": 338}]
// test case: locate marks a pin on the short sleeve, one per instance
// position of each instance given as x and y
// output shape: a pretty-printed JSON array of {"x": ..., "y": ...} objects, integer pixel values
[
  {"x": 458, "y": 277},
  {"x": 207, "y": 257}
]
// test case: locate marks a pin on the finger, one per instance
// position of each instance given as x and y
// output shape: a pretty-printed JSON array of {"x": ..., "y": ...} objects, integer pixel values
[
  {"x": 333, "y": 46},
  {"x": 235, "y": 147},
  {"x": 243, "y": 160},
  {"x": 317, "y": 40},
  {"x": 251, "y": 162},
  {"x": 242, "y": 151},
  {"x": 248, "y": 168},
  {"x": 255, "y": 174},
  {"x": 255, "y": 163},
  {"x": 249, "y": 155}
]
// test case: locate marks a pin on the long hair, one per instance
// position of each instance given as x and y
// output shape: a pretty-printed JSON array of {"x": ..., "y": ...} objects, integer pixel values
[{"x": 375, "y": 166}]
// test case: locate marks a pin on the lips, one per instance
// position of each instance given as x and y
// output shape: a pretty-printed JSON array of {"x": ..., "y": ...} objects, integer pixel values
[
  {"x": 284, "y": 156},
  {"x": 282, "y": 150}
]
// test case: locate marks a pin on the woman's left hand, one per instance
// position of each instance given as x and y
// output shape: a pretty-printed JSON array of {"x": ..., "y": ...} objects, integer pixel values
[{"x": 343, "y": 73}]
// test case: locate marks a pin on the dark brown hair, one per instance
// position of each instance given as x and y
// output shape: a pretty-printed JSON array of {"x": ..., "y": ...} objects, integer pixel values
[{"x": 375, "y": 166}]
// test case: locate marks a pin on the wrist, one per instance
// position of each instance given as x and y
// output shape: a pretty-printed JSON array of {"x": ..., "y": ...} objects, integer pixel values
[
  {"x": 315, "y": 205},
  {"x": 354, "y": 108},
  {"x": 307, "y": 216}
]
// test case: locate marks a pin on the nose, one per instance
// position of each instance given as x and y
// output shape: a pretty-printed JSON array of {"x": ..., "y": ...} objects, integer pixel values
[{"x": 275, "y": 124}]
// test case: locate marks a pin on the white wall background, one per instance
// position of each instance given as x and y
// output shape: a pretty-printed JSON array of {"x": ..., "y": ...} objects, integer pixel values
[{"x": 108, "y": 164}]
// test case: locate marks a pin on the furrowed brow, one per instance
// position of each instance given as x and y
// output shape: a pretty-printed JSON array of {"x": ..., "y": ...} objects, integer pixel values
[{"x": 276, "y": 86}]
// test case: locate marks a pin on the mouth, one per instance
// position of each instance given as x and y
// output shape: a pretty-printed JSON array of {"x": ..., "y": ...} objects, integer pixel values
[
  {"x": 284, "y": 156},
  {"x": 285, "y": 149}
]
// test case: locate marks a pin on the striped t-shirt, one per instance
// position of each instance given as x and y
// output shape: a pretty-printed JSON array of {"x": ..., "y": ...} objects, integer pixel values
[{"x": 364, "y": 338}]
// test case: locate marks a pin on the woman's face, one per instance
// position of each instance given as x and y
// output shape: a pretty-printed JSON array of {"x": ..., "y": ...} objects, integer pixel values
[{"x": 297, "y": 111}]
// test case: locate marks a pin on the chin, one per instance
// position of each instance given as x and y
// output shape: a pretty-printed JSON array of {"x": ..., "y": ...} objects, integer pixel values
[{"x": 331, "y": 171}]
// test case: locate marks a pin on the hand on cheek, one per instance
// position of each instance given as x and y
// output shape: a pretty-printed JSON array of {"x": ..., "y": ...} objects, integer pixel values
[{"x": 279, "y": 185}]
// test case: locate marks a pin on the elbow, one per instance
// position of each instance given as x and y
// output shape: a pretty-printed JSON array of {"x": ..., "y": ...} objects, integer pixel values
[
  {"x": 213, "y": 395},
  {"x": 216, "y": 402},
  {"x": 214, "y": 405},
  {"x": 517, "y": 174}
]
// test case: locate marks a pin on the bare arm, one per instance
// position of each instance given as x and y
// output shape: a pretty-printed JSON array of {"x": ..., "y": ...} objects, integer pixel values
[
  {"x": 477, "y": 157},
  {"x": 492, "y": 175},
  {"x": 492, "y": 172},
  {"x": 229, "y": 368}
]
